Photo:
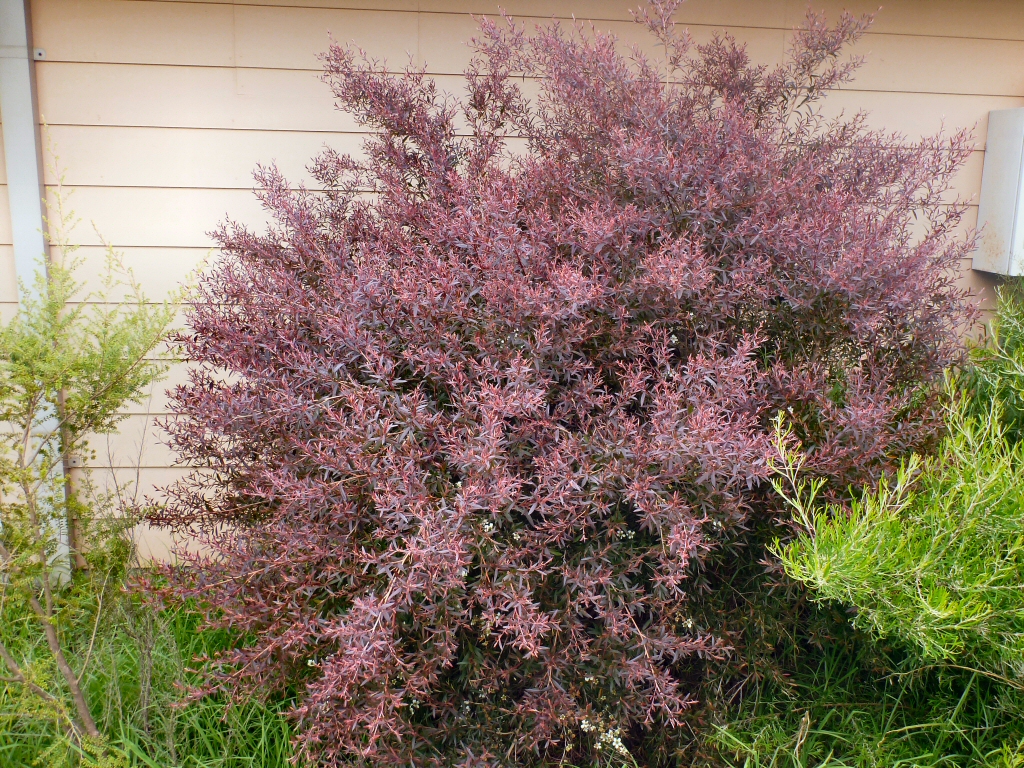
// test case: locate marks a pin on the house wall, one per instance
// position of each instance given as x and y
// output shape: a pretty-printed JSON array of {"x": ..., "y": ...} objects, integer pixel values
[{"x": 157, "y": 111}]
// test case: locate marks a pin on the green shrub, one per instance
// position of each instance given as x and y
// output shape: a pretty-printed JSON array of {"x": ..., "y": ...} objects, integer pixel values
[
  {"x": 918, "y": 586},
  {"x": 71, "y": 362},
  {"x": 935, "y": 558}
]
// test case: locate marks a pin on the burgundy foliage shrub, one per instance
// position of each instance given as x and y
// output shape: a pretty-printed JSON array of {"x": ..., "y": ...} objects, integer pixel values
[{"x": 468, "y": 418}]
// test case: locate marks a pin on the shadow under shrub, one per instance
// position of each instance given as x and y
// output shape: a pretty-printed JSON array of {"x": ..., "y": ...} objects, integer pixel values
[{"x": 481, "y": 436}]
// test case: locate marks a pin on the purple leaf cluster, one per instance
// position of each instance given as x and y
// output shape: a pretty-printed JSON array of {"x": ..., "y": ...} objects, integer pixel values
[{"x": 466, "y": 419}]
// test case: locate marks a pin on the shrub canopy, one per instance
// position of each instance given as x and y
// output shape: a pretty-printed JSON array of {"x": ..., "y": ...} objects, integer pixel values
[{"x": 468, "y": 418}]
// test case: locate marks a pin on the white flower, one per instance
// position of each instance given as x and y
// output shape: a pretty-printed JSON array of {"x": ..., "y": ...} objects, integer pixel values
[{"x": 613, "y": 739}]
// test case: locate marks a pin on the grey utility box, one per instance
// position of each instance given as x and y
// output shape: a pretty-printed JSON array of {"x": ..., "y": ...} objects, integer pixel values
[{"x": 1001, "y": 208}]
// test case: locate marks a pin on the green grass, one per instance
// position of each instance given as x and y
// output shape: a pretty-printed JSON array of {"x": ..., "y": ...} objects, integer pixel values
[
  {"x": 134, "y": 684},
  {"x": 862, "y": 708}
]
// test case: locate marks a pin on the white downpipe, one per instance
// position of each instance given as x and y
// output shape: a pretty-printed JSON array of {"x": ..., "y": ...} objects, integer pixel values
[
  {"x": 21, "y": 139},
  {"x": 23, "y": 156}
]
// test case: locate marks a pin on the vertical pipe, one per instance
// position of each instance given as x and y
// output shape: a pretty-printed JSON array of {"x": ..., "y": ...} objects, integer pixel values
[
  {"x": 22, "y": 150},
  {"x": 24, "y": 159}
]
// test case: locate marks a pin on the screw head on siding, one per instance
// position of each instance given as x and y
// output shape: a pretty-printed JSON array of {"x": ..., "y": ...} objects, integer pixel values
[{"x": 39, "y": 54}]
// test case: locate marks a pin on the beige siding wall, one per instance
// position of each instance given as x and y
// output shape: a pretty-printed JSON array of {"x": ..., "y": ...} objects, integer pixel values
[
  {"x": 159, "y": 111},
  {"x": 8, "y": 287}
]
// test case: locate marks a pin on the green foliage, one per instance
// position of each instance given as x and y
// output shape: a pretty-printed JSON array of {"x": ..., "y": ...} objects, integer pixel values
[
  {"x": 997, "y": 373},
  {"x": 934, "y": 559},
  {"x": 806, "y": 688},
  {"x": 92, "y": 347},
  {"x": 95, "y": 677},
  {"x": 70, "y": 361}
]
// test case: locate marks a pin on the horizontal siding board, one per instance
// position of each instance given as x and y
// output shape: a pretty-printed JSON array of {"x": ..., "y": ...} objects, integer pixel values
[
  {"x": 765, "y": 13},
  {"x": 153, "y": 544},
  {"x": 186, "y": 157},
  {"x": 907, "y": 63},
  {"x": 144, "y": 32},
  {"x": 128, "y": 31},
  {"x": 983, "y": 19},
  {"x": 444, "y": 39},
  {"x": 892, "y": 63},
  {"x": 139, "y": 442},
  {"x": 138, "y": 486},
  {"x": 254, "y": 99},
  {"x": 980, "y": 19},
  {"x": 148, "y": 216},
  {"x": 158, "y": 403},
  {"x": 145, "y": 217},
  {"x": 145, "y": 483},
  {"x": 191, "y": 97},
  {"x": 762, "y": 13},
  {"x": 917, "y": 115},
  {"x": 292, "y": 38},
  {"x": 118, "y": 156},
  {"x": 158, "y": 271}
]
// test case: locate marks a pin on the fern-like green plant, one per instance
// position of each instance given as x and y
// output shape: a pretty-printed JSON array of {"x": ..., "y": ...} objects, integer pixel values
[{"x": 934, "y": 558}]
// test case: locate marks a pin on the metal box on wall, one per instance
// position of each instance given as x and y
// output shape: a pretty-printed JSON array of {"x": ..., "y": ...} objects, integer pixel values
[{"x": 1001, "y": 207}]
